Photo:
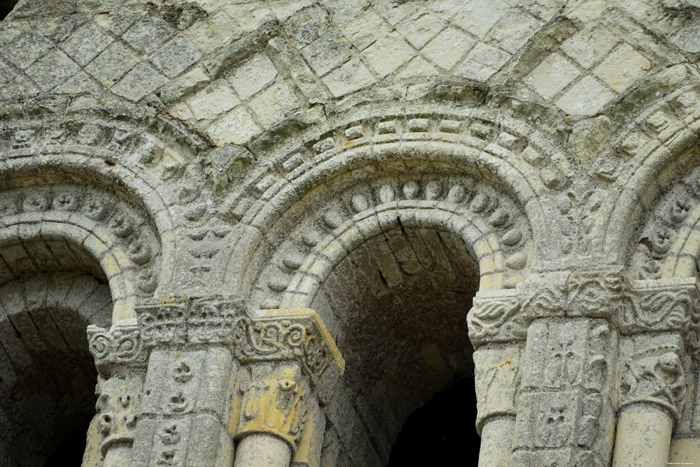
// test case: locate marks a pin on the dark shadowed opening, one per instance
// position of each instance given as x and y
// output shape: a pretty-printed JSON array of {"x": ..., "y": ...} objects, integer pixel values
[
  {"x": 6, "y": 7},
  {"x": 440, "y": 431}
]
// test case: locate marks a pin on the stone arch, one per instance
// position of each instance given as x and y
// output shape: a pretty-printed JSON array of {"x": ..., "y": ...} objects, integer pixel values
[
  {"x": 527, "y": 164},
  {"x": 374, "y": 184},
  {"x": 657, "y": 150},
  {"x": 79, "y": 214},
  {"x": 78, "y": 246},
  {"x": 48, "y": 378}
]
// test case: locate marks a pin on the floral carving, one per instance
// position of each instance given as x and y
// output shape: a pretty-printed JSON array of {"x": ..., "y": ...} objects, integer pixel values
[{"x": 117, "y": 408}]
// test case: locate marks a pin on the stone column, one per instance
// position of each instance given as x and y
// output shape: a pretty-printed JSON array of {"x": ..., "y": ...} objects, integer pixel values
[
  {"x": 291, "y": 364},
  {"x": 191, "y": 372},
  {"x": 215, "y": 374},
  {"x": 565, "y": 404},
  {"x": 120, "y": 358},
  {"x": 497, "y": 332},
  {"x": 654, "y": 363}
]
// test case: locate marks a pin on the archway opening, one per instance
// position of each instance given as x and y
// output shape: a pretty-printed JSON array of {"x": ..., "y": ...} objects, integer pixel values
[
  {"x": 50, "y": 290},
  {"x": 401, "y": 300},
  {"x": 440, "y": 431}
]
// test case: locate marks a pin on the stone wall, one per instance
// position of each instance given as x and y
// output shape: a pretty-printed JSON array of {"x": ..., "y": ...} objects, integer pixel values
[{"x": 200, "y": 175}]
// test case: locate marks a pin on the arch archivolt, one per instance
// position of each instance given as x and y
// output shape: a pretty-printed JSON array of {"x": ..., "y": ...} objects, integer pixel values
[
  {"x": 53, "y": 225},
  {"x": 490, "y": 225},
  {"x": 528, "y": 166},
  {"x": 654, "y": 156},
  {"x": 668, "y": 244}
]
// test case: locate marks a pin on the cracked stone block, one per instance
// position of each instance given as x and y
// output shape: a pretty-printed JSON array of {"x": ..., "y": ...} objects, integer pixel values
[
  {"x": 342, "y": 11},
  {"x": 388, "y": 53},
  {"x": 112, "y": 64},
  {"x": 236, "y": 127},
  {"x": 253, "y": 75},
  {"x": 420, "y": 28},
  {"x": 248, "y": 16},
  {"x": 350, "y": 77},
  {"x": 139, "y": 82},
  {"x": 589, "y": 45},
  {"x": 479, "y": 16},
  {"x": 211, "y": 32},
  {"x": 52, "y": 70},
  {"x": 148, "y": 34},
  {"x": 274, "y": 103},
  {"x": 86, "y": 43},
  {"x": 622, "y": 68},
  {"x": 586, "y": 97},
  {"x": 448, "y": 47},
  {"x": 176, "y": 56},
  {"x": 118, "y": 21},
  {"x": 552, "y": 75},
  {"x": 513, "y": 30},
  {"x": 394, "y": 11},
  {"x": 213, "y": 101},
  {"x": 364, "y": 30},
  {"x": 326, "y": 53},
  {"x": 26, "y": 48}
]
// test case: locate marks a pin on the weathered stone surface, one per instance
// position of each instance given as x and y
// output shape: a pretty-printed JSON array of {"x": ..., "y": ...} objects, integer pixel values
[{"x": 394, "y": 165}]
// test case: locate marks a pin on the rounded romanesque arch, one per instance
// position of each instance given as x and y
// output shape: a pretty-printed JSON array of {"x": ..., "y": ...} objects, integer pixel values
[
  {"x": 78, "y": 246},
  {"x": 388, "y": 226},
  {"x": 657, "y": 153},
  {"x": 526, "y": 164}
]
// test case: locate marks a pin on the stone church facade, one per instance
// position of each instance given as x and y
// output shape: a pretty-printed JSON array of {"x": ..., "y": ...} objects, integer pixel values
[{"x": 252, "y": 231}]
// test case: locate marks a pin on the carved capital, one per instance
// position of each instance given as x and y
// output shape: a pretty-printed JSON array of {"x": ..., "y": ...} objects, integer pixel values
[
  {"x": 118, "y": 405},
  {"x": 122, "y": 345},
  {"x": 275, "y": 404},
  {"x": 295, "y": 334},
  {"x": 661, "y": 305},
  {"x": 592, "y": 294},
  {"x": 496, "y": 317},
  {"x": 638, "y": 306},
  {"x": 277, "y": 335},
  {"x": 654, "y": 373}
]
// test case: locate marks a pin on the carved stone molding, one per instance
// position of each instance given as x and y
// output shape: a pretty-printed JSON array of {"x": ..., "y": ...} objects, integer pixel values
[
  {"x": 637, "y": 306},
  {"x": 117, "y": 407},
  {"x": 277, "y": 335},
  {"x": 120, "y": 346},
  {"x": 654, "y": 372},
  {"x": 276, "y": 404},
  {"x": 496, "y": 317}
]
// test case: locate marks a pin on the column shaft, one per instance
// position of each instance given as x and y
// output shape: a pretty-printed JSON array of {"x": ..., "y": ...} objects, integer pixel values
[
  {"x": 643, "y": 437},
  {"x": 263, "y": 450}
]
